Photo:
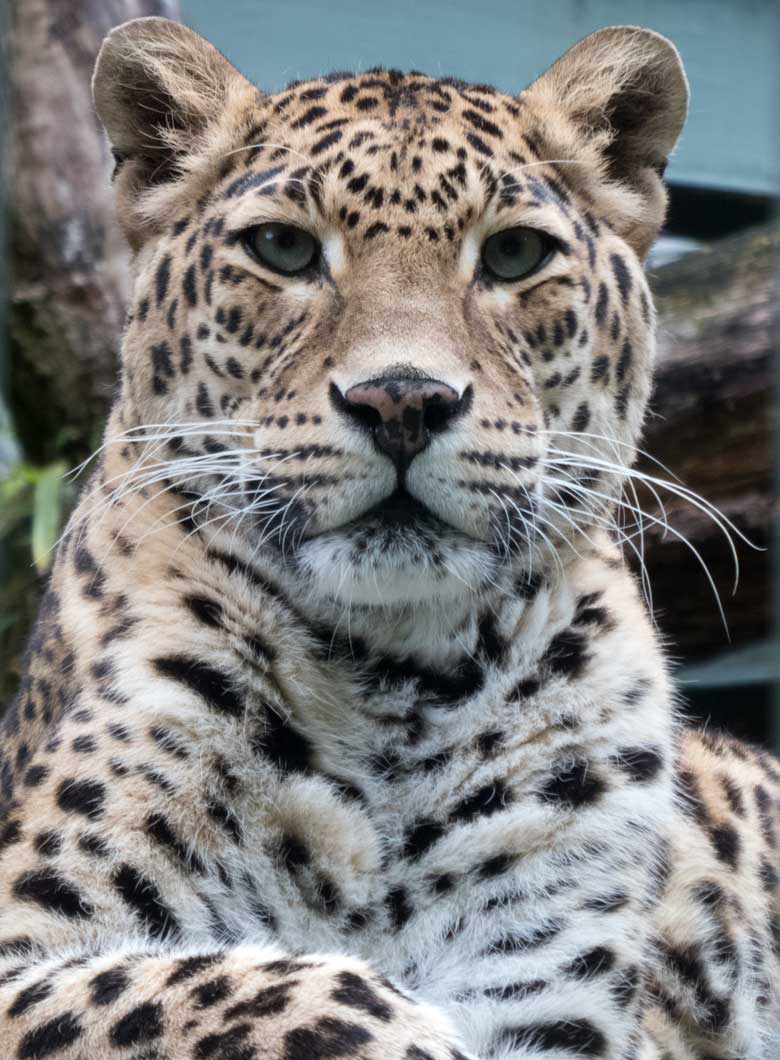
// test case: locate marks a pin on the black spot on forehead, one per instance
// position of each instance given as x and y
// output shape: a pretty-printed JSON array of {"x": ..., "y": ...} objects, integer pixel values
[{"x": 402, "y": 102}]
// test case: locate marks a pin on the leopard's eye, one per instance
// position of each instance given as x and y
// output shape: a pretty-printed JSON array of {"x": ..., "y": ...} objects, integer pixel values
[
  {"x": 283, "y": 248},
  {"x": 516, "y": 252}
]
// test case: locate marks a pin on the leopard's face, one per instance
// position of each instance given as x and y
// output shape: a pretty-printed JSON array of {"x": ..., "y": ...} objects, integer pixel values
[{"x": 381, "y": 326}]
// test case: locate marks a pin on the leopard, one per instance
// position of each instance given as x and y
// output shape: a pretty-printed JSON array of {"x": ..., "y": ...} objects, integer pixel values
[{"x": 345, "y": 730}]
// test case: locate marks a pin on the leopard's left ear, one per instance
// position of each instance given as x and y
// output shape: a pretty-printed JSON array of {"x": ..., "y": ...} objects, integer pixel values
[{"x": 625, "y": 94}]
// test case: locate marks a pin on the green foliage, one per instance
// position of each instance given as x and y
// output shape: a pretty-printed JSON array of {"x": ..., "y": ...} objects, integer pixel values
[
  {"x": 46, "y": 514},
  {"x": 34, "y": 503}
]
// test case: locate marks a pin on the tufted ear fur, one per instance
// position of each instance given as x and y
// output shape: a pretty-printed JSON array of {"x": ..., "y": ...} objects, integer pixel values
[
  {"x": 172, "y": 107},
  {"x": 619, "y": 97}
]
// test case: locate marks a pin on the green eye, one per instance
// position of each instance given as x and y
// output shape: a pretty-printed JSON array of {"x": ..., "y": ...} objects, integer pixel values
[
  {"x": 516, "y": 252},
  {"x": 283, "y": 248}
]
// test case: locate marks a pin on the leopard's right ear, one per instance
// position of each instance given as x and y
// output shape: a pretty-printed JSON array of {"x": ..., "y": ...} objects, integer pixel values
[{"x": 172, "y": 107}]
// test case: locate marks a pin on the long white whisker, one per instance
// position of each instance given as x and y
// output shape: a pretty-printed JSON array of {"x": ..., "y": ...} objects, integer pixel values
[
  {"x": 683, "y": 493},
  {"x": 277, "y": 147},
  {"x": 673, "y": 531},
  {"x": 135, "y": 435},
  {"x": 594, "y": 437},
  {"x": 600, "y": 464},
  {"x": 623, "y": 539}
]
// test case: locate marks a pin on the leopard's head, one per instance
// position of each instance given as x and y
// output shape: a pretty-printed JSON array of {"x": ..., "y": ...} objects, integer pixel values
[{"x": 394, "y": 327}]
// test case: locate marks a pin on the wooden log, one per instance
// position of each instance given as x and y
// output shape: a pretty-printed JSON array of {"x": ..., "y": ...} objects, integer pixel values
[
  {"x": 68, "y": 262},
  {"x": 711, "y": 424}
]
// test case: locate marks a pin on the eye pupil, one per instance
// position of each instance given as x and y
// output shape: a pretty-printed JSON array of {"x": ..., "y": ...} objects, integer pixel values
[
  {"x": 282, "y": 248},
  {"x": 516, "y": 252}
]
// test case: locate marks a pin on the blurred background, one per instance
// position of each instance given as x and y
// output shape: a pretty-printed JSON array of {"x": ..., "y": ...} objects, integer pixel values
[{"x": 715, "y": 272}]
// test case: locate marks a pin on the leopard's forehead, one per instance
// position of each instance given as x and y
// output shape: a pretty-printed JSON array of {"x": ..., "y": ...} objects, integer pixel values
[
  {"x": 408, "y": 125},
  {"x": 404, "y": 104},
  {"x": 388, "y": 152}
]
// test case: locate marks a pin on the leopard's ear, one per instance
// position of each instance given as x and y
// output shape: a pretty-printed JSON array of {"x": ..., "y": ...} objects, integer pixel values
[
  {"x": 168, "y": 101},
  {"x": 624, "y": 92}
]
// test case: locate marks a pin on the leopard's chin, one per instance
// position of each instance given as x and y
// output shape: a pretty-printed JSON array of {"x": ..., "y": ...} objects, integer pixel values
[{"x": 396, "y": 553}]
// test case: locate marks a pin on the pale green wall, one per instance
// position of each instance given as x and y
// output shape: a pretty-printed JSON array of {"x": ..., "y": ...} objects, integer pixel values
[{"x": 731, "y": 50}]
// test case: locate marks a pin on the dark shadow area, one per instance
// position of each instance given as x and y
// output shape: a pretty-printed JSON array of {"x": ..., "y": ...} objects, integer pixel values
[
  {"x": 707, "y": 213},
  {"x": 743, "y": 710}
]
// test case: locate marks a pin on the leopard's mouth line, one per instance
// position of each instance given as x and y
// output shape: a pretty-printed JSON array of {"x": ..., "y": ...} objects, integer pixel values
[
  {"x": 401, "y": 522},
  {"x": 400, "y": 510},
  {"x": 399, "y": 519}
]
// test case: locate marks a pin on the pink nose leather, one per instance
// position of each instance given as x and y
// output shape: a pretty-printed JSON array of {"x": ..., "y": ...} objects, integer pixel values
[{"x": 405, "y": 412}]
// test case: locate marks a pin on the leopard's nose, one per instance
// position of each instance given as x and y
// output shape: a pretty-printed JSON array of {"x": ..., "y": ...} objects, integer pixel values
[{"x": 401, "y": 414}]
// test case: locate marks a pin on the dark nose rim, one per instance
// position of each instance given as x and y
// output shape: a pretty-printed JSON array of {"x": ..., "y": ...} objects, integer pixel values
[{"x": 391, "y": 435}]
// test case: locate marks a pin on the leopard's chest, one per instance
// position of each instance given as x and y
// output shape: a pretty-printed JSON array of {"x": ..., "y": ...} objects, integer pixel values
[{"x": 391, "y": 877}]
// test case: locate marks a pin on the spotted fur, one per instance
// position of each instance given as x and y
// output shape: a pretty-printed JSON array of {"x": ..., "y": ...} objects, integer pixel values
[{"x": 344, "y": 731}]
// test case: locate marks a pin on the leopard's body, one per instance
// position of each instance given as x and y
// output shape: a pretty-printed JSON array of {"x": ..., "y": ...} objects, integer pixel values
[{"x": 286, "y": 780}]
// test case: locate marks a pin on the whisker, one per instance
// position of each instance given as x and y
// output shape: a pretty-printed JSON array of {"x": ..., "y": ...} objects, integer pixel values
[
  {"x": 595, "y": 437},
  {"x": 683, "y": 493},
  {"x": 623, "y": 539},
  {"x": 277, "y": 147},
  {"x": 674, "y": 532},
  {"x": 134, "y": 435}
]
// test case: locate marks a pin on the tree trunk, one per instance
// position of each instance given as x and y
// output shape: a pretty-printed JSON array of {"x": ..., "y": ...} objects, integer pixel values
[
  {"x": 68, "y": 262},
  {"x": 68, "y": 283},
  {"x": 712, "y": 424}
]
